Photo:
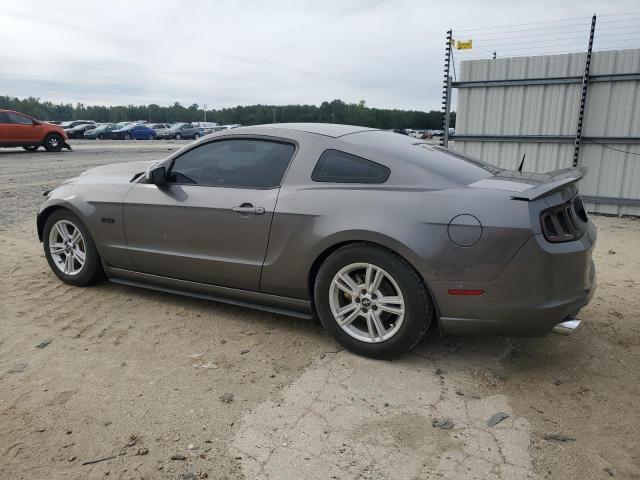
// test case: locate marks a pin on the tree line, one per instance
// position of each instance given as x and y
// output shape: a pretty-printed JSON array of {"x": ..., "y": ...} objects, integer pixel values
[{"x": 336, "y": 111}]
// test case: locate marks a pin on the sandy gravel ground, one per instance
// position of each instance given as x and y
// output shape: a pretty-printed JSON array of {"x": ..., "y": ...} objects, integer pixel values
[{"x": 142, "y": 377}]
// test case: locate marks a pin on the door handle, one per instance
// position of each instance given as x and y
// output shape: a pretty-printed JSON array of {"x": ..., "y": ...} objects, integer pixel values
[{"x": 248, "y": 209}]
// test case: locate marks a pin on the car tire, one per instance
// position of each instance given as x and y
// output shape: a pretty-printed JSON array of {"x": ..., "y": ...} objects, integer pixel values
[
  {"x": 101, "y": 136},
  {"x": 150, "y": 137},
  {"x": 31, "y": 148},
  {"x": 398, "y": 311},
  {"x": 196, "y": 136},
  {"x": 127, "y": 136},
  {"x": 79, "y": 274},
  {"x": 53, "y": 142},
  {"x": 178, "y": 136}
]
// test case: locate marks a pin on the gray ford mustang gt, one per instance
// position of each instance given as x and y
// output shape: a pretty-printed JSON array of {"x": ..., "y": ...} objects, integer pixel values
[{"x": 377, "y": 234}]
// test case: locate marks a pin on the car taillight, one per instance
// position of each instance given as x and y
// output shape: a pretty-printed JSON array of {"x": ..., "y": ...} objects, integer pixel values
[{"x": 565, "y": 222}]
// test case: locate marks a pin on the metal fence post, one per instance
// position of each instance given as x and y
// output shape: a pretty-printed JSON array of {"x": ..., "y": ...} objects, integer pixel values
[
  {"x": 583, "y": 97},
  {"x": 446, "y": 91}
]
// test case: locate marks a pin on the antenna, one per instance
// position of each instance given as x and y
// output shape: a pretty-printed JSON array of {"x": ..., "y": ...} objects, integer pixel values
[{"x": 521, "y": 164}]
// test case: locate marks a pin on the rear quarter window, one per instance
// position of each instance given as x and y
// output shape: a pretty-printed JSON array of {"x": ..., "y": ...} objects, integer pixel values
[{"x": 335, "y": 166}]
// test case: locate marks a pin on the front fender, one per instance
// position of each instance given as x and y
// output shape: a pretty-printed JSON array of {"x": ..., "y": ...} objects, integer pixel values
[
  {"x": 49, "y": 206},
  {"x": 100, "y": 207}
]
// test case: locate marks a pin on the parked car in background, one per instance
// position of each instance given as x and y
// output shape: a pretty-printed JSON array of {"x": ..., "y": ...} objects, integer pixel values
[
  {"x": 78, "y": 130},
  {"x": 160, "y": 128},
  {"x": 179, "y": 131},
  {"x": 208, "y": 127},
  {"x": 231, "y": 126},
  {"x": 74, "y": 123},
  {"x": 20, "y": 130},
  {"x": 133, "y": 131},
  {"x": 101, "y": 132}
]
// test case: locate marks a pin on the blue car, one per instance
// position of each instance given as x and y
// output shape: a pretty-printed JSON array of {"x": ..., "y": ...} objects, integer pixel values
[{"x": 134, "y": 131}]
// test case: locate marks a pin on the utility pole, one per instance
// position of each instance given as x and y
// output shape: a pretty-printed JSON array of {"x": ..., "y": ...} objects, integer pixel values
[
  {"x": 446, "y": 91},
  {"x": 274, "y": 114},
  {"x": 205, "y": 112},
  {"x": 583, "y": 97}
]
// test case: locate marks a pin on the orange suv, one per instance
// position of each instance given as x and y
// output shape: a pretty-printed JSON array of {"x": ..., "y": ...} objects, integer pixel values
[{"x": 20, "y": 130}]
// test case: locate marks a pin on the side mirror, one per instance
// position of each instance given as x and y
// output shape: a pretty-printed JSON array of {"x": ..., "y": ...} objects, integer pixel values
[
  {"x": 36, "y": 122},
  {"x": 156, "y": 175}
]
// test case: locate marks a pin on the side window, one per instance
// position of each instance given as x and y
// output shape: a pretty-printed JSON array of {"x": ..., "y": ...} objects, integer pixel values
[
  {"x": 19, "y": 119},
  {"x": 4, "y": 117},
  {"x": 240, "y": 163},
  {"x": 340, "y": 167}
]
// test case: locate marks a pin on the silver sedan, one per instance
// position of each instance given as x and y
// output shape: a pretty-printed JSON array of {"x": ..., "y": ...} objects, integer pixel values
[{"x": 379, "y": 235}]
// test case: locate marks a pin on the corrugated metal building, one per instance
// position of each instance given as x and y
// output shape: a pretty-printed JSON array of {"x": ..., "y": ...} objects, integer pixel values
[{"x": 500, "y": 101}]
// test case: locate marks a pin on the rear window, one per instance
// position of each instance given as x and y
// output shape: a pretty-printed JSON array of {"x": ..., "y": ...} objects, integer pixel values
[
  {"x": 335, "y": 166},
  {"x": 448, "y": 164}
]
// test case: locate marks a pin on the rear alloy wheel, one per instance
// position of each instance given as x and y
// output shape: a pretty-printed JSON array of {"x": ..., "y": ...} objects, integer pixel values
[
  {"x": 101, "y": 136},
  {"x": 69, "y": 249},
  {"x": 196, "y": 136},
  {"x": 53, "y": 143},
  {"x": 127, "y": 136},
  {"x": 372, "y": 301},
  {"x": 150, "y": 136},
  {"x": 31, "y": 148},
  {"x": 178, "y": 136}
]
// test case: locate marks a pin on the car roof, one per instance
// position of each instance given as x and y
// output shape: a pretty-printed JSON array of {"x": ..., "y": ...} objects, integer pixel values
[{"x": 333, "y": 130}]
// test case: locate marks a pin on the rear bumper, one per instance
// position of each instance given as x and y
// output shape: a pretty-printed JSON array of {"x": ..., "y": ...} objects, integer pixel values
[{"x": 542, "y": 286}]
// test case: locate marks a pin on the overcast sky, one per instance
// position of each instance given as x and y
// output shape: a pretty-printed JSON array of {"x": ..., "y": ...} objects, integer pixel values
[{"x": 236, "y": 52}]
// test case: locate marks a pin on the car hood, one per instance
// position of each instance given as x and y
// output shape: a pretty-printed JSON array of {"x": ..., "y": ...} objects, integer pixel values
[{"x": 118, "y": 172}]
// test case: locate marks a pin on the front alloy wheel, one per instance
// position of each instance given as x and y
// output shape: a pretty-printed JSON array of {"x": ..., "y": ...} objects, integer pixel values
[
  {"x": 70, "y": 250},
  {"x": 67, "y": 247},
  {"x": 53, "y": 143}
]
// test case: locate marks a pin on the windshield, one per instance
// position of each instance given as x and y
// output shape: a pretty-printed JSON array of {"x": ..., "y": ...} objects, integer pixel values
[{"x": 177, "y": 126}]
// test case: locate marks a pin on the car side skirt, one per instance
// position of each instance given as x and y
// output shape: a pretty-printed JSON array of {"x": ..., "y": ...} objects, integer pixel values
[{"x": 260, "y": 301}]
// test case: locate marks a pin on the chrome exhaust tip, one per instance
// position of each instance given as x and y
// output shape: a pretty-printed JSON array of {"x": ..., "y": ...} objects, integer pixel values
[{"x": 567, "y": 327}]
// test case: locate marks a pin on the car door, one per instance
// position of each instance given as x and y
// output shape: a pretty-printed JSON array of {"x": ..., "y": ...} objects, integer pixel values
[
  {"x": 20, "y": 128},
  {"x": 210, "y": 222},
  {"x": 5, "y": 128}
]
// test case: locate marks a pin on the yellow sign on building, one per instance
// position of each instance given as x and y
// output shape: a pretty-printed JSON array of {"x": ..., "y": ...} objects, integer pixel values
[{"x": 464, "y": 45}]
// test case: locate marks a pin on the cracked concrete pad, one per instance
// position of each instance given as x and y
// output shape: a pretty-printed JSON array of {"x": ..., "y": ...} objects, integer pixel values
[{"x": 350, "y": 417}]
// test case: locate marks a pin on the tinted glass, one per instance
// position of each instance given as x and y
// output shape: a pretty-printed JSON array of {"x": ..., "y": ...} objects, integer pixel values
[
  {"x": 234, "y": 163},
  {"x": 340, "y": 167},
  {"x": 450, "y": 165},
  {"x": 4, "y": 118},
  {"x": 19, "y": 119}
]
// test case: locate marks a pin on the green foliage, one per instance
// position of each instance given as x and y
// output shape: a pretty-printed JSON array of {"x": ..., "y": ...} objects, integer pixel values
[{"x": 336, "y": 111}]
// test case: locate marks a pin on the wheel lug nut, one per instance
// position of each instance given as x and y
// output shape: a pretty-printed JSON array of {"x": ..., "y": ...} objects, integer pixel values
[
  {"x": 358, "y": 300},
  {"x": 375, "y": 308},
  {"x": 364, "y": 310},
  {"x": 363, "y": 291}
]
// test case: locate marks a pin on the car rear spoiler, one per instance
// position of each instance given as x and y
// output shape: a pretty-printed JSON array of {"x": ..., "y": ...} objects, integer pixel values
[{"x": 558, "y": 179}]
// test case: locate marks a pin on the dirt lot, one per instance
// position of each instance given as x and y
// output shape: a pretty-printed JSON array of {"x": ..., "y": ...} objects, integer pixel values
[{"x": 228, "y": 392}]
